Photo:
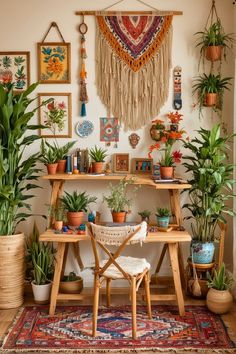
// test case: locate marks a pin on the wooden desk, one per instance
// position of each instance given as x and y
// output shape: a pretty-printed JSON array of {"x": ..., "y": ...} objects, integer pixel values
[{"x": 171, "y": 239}]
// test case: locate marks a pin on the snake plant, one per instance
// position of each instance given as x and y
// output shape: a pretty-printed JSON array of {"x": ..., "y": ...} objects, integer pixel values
[
  {"x": 97, "y": 154},
  {"x": 77, "y": 201}
]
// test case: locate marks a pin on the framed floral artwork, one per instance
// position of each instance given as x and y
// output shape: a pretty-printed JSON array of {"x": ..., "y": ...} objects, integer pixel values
[
  {"x": 121, "y": 163},
  {"x": 54, "y": 63},
  {"x": 55, "y": 115},
  {"x": 15, "y": 68}
]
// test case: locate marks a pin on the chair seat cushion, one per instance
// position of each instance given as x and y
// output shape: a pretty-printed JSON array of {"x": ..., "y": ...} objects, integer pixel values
[{"x": 132, "y": 266}]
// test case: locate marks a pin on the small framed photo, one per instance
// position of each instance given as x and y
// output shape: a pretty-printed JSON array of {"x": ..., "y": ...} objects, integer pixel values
[
  {"x": 55, "y": 115},
  {"x": 54, "y": 63},
  {"x": 121, "y": 163},
  {"x": 142, "y": 166},
  {"x": 15, "y": 68}
]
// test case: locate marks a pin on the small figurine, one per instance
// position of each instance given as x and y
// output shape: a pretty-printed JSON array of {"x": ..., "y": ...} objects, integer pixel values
[
  {"x": 108, "y": 168},
  {"x": 134, "y": 139}
]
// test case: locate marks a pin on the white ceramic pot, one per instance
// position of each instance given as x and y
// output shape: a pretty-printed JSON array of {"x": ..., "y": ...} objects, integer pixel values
[{"x": 41, "y": 292}]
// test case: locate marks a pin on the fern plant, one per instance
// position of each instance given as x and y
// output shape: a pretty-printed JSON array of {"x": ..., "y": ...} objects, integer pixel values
[
  {"x": 97, "y": 154},
  {"x": 77, "y": 201}
]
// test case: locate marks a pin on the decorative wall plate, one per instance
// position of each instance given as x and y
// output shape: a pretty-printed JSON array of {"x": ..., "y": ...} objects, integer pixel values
[{"x": 84, "y": 128}]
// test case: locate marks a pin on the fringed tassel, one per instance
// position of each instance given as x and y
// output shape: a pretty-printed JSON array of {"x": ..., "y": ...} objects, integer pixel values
[{"x": 83, "y": 112}]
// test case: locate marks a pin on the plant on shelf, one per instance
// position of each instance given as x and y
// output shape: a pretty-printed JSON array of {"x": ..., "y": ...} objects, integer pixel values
[
  {"x": 61, "y": 152},
  {"x": 18, "y": 172},
  {"x": 211, "y": 180},
  {"x": 163, "y": 217},
  {"x": 75, "y": 204},
  {"x": 71, "y": 284},
  {"x": 219, "y": 299},
  {"x": 57, "y": 215},
  {"x": 145, "y": 215},
  {"x": 156, "y": 129},
  {"x": 210, "y": 89},
  {"x": 49, "y": 157},
  {"x": 98, "y": 156},
  {"x": 118, "y": 201}
]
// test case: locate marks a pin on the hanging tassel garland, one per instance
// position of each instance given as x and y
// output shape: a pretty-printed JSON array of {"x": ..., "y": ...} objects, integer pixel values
[{"x": 83, "y": 74}]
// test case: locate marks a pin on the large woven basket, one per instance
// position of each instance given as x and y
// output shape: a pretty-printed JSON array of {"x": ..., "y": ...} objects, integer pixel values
[{"x": 12, "y": 254}]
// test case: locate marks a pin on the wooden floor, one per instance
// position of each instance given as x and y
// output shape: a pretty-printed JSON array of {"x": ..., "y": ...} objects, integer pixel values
[{"x": 118, "y": 298}]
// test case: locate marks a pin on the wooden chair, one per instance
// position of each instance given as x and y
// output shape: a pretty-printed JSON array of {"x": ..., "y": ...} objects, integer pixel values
[{"x": 134, "y": 270}]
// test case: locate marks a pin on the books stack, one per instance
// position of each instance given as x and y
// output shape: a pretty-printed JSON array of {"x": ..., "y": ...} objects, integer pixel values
[{"x": 78, "y": 162}]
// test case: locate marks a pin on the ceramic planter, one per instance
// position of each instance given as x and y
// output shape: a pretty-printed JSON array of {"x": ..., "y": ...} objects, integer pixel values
[
  {"x": 97, "y": 167},
  {"x": 61, "y": 167},
  {"x": 211, "y": 99},
  {"x": 163, "y": 221},
  {"x": 219, "y": 301},
  {"x": 167, "y": 172},
  {"x": 52, "y": 168},
  {"x": 75, "y": 218},
  {"x": 71, "y": 287},
  {"x": 41, "y": 292},
  {"x": 155, "y": 133},
  {"x": 58, "y": 225},
  {"x": 213, "y": 53},
  {"x": 119, "y": 217},
  {"x": 202, "y": 252}
]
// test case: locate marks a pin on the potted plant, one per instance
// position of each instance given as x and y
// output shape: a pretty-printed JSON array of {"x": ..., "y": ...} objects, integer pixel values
[
  {"x": 156, "y": 129},
  {"x": 163, "y": 217},
  {"x": 145, "y": 215},
  {"x": 213, "y": 40},
  {"x": 42, "y": 256},
  {"x": 49, "y": 157},
  {"x": 71, "y": 284},
  {"x": 75, "y": 204},
  {"x": 61, "y": 152},
  {"x": 118, "y": 201},
  {"x": 58, "y": 215},
  {"x": 98, "y": 156},
  {"x": 211, "y": 187},
  {"x": 210, "y": 89},
  {"x": 18, "y": 175},
  {"x": 219, "y": 299},
  {"x": 174, "y": 118}
]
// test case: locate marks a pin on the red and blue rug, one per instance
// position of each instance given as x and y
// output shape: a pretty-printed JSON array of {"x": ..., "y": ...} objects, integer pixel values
[{"x": 70, "y": 330}]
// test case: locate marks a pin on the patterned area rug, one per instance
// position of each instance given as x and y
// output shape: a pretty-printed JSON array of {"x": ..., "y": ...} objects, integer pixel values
[{"x": 69, "y": 330}]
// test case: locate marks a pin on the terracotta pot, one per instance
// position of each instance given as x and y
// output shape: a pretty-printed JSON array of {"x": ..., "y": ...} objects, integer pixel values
[
  {"x": 119, "y": 217},
  {"x": 219, "y": 301},
  {"x": 41, "y": 292},
  {"x": 75, "y": 218},
  {"x": 61, "y": 167},
  {"x": 211, "y": 99},
  {"x": 71, "y": 287},
  {"x": 213, "y": 53},
  {"x": 58, "y": 225},
  {"x": 97, "y": 167},
  {"x": 167, "y": 172},
  {"x": 52, "y": 168}
]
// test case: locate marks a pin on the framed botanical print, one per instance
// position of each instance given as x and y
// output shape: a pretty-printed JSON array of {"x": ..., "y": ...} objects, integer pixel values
[
  {"x": 15, "y": 68},
  {"x": 55, "y": 115},
  {"x": 54, "y": 63},
  {"x": 121, "y": 163}
]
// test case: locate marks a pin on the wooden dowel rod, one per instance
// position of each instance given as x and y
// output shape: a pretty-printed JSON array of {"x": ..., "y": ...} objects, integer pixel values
[{"x": 128, "y": 13}]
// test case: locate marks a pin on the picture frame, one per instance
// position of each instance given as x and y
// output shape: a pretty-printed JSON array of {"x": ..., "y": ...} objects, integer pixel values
[
  {"x": 60, "y": 106},
  {"x": 15, "y": 68},
  {"x": 54, "y": 65},
  {"x": 121, "y": 163},
  {"x": 142, "y": 166}
]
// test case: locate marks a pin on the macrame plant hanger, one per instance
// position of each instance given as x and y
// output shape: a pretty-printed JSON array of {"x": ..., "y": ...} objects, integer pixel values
[{"x": 83, "y": 29}]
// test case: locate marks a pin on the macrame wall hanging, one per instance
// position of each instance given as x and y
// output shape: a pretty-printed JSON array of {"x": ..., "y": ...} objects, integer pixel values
[{"x": 83, "y": 28}]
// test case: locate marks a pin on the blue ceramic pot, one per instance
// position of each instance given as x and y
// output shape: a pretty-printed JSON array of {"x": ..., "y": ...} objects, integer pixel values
[
  {"x": 163, "y": 221},
  {"x": 202, "y": 252}
]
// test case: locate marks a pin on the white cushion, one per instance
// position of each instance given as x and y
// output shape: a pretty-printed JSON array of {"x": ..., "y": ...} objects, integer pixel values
[{"x": 132, "y": 266}]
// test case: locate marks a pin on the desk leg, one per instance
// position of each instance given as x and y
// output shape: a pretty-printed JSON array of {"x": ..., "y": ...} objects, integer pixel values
[
  {"x": 56, "y": 278},
  {"x": 175, "y": 206},
  {"x": 163, "y": 252},
  {"x": 173, "y": 251},
  {"x": 57, "y": 189}
]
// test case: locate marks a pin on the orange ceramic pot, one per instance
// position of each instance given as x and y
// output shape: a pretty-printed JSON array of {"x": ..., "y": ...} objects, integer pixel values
[
  {"x": 75, "y": 218},
  {"x": 61, "y": 167},
  {"x": 213, "y": 52},
  {"x": 52, "y": 168},
  {"x": 58, "y": 225},
  {"x": 167, "y": 172},
  {"x": 211, "y": 99},
  {"x": 97, "y": 167},
  {"x": 119, "y": 217}
]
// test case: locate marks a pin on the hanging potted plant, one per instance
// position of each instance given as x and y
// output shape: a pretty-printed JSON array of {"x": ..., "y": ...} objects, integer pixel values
[
  {"x": 219, "y": 299},
  {"x": 17, "y": 179},
  {"x": 163, "y": 217},
  {"x": 75, "y": 204},
  {"x": 49, "y": 157},
  {"x": 157, "y": 129},
  {"x": 118, "y": 201},
  {"x": 211, "y": 187},
  {"x": 98, "y": 156}
]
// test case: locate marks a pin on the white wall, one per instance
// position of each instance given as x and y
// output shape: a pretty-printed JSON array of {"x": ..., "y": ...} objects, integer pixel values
[{"x": 29, "y": 21}]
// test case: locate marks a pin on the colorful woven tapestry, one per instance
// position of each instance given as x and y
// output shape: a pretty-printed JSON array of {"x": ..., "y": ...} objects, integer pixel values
[
  {"x": 109, "y": 130},
  {"x": 70, "y": 331},
  {"x": 133, "y": 60}
]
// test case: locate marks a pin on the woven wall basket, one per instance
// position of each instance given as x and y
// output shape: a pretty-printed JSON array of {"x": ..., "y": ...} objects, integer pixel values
[{"x": 12, "y": 253}]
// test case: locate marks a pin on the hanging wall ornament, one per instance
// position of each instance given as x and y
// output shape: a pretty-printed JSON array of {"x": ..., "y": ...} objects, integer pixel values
[
  {"x": 133, "y": 61},
  {"x": 134, "y": 140},
  {"x": 177, "y": 102},
  {"x": 83, "y": 28},
  {"x": 109, "y": 131}
]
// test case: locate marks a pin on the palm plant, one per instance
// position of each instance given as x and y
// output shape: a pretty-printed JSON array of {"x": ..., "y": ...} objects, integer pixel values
[
  {"x": 97, "y": 154},
  {"x": 77, "y": 201},
  {"x": 16, "y": 172}
]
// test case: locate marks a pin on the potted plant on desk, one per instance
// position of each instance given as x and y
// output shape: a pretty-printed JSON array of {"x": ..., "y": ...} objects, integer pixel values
[
  {"x": 211, "y": 187},
  {"x": 163, "y": 217},
  {"x": 98, "y": 156},
  {"x": 145, "y": 215},
  {"x": 49, "y": 157},
  {"x": 75, "y": 204},
  {"x": 61, "y": 152}
]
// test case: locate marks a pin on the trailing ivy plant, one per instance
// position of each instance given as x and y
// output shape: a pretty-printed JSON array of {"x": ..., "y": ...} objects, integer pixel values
[{"x": 17, "y": 174}]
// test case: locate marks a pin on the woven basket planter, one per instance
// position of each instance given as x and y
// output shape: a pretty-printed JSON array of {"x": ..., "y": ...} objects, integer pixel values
[{"x": 12, "y": 255}]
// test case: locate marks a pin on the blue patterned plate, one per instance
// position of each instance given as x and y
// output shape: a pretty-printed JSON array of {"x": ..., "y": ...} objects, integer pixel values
[{"x": 84, "y": 128}]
